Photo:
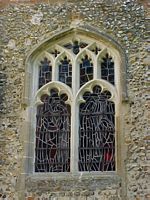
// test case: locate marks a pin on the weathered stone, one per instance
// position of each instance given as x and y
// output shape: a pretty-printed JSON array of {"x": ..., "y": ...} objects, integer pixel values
[{"x": 25, "y": 25}]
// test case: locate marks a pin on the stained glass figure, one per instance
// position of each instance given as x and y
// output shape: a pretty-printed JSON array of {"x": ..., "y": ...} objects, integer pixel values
[
  {"x": 97, "y": 132},
  {"x": 53, "y": 134},
  {"x": 65, "y": 71},
  {"x": 86, "y": 70},
  {"x": 75, "y": 47},
  {"x": 45, "y": 72},
  {"x": 107, "y": 69}
]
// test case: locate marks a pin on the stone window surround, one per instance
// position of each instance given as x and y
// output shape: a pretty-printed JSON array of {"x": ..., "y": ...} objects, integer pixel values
[{"x": 119, "y": 95}]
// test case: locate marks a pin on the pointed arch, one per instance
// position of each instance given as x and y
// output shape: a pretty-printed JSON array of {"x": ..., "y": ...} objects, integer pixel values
[
  {"x": 91, "y": 42},
  {"x": 85, "y": 31}
]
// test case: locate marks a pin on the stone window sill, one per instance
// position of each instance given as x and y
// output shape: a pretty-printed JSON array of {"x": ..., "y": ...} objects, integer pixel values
[{"x": 72, "y": 176}]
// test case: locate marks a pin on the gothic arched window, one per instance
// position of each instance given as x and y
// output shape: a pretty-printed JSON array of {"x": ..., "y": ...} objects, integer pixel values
[{"x": 76, "y": 96}]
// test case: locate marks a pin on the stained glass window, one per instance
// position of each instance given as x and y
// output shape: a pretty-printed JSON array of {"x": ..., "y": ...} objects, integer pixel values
[
  {"x": 97, "y": 132},
  {"x": 53, "y": 134},
  {"x": 45, "y": 72},
  {"x": 86, "y": 70},
  {"x": 65, "y": 71},
  {"x": 93, "y": 121},
  {"x": 107, "y": 69}
]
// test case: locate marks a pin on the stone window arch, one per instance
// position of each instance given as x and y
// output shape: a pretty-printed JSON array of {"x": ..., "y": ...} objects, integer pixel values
[{"x": 73, "y": 97}]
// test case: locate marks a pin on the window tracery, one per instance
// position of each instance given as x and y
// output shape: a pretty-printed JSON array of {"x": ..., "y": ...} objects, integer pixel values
[
  {"x": 74, "y": 63},
  {"x": 75, "y": 46}
]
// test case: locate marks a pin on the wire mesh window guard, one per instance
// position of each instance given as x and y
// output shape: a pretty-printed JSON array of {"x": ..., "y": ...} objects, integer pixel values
[
  {"x": 65, "y": 71},
  {"x": 53, "y": 134},
  {"x": 97, "y": 132},
  {"x": 45, "y": 72},
  {"x": 107, "y": 69}
]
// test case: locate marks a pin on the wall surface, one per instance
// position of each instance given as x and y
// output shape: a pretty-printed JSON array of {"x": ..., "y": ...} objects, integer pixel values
[{"x": 27, "y": 23}]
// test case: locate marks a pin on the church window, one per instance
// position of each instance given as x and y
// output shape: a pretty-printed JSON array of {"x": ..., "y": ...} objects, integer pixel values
[{"x": 75, "y": 99}]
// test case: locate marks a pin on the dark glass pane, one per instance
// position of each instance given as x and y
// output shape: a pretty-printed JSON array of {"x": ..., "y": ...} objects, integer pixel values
[
  {"x": 55, "y": 52},
  {"x": 65, "y": 71},
  {"x": 45, "y": 72},
  {"x": 97, "y": 132},
  {"x": 107, "y": 69},
  {"x": 75, "y": 46},
  {"x": 95, "y": 50},
  {"x": 86, "y": 70},
  {"x": 53, "y": 134}
]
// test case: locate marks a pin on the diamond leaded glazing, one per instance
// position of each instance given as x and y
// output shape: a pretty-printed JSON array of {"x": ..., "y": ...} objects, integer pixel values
[{"x": 97, "y": 132}]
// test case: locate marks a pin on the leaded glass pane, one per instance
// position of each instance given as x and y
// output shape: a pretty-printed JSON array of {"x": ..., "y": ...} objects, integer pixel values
[
  {"x": 53, "y": 134},
  {"x": 97, "y": 132},
  {"x": 86, "y": 70},
  {"x": 107, "y": 69},
  {"x": 76, "y": 46},
  {"x": 65, "y": 71},
  {"x": 45, "y": 72}
]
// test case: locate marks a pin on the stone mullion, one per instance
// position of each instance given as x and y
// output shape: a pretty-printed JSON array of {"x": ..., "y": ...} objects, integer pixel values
[
  {"x": 74, "y": 137},
  {"x": 74, "y": 118},
  {"x": 55, "y": 71},
  {"x": 95, "y": 69}
]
